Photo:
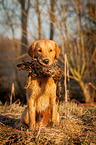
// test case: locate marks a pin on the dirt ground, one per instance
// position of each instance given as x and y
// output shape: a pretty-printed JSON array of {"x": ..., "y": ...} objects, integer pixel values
[{"x": 77, "y": 126}]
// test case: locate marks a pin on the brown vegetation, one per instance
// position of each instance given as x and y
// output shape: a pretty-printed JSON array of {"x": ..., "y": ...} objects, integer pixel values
[{"x": 77, "y": 126}]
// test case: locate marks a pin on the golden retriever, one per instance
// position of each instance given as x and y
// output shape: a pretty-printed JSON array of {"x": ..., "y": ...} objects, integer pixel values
[{"x": 41, "y": 94}]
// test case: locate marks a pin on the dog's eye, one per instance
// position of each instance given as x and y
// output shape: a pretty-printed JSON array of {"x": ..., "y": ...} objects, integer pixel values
[
  {"x": 50, "y": 50},
  {"x": 39, "y": 50}
]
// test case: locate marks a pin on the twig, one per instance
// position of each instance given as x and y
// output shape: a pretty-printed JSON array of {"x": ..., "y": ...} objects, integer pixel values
[
  {"x": 38, "y": 132},
  {"x": 65, "y": 79},
  {"x": 16, "y": 114},
  {"x": 92, "y": 86},
  {"x": 2, "y": 124}
]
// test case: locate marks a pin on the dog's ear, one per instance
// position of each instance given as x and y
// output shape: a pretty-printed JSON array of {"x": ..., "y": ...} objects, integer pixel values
[
  {"x": 57, "y": 51},
  {"x": 31, "y": 50}
]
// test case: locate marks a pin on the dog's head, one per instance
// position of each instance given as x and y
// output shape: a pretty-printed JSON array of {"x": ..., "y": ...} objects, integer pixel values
[{"x": 45, "y": 51}]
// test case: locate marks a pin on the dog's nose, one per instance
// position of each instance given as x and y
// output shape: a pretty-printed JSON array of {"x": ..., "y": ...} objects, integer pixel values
[{"x": 46, "y": 61}]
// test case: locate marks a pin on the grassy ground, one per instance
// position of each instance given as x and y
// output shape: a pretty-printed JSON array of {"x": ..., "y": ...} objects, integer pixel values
[{"x": 77, "y": 126}]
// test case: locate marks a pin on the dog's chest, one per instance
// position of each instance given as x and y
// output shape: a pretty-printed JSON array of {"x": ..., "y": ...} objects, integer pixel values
[{"x": 42, "y": 91}]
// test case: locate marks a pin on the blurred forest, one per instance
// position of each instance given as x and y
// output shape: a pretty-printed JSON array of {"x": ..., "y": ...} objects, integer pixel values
[{"x": 71, "y": 23}]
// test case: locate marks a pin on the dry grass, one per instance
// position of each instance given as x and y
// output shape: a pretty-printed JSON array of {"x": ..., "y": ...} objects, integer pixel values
[{"x": 77, "y": 126}]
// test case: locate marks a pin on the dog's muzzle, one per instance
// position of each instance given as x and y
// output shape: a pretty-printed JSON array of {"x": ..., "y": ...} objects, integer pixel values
[{"x": 46, "y": 61}]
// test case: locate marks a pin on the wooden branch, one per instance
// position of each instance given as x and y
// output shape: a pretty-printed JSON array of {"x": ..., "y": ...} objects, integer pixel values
[
  {"x": 65, "y": 82},
  {"x": 92, "y": 85}
]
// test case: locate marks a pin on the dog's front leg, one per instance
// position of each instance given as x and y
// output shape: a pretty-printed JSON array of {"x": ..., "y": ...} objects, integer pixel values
[
  {"x": 54, "y": 109},
  {"x": 32, "y": 113}
]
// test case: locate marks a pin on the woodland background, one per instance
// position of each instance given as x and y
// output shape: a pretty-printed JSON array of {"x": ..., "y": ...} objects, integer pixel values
[{"x": 71, "y": 23}]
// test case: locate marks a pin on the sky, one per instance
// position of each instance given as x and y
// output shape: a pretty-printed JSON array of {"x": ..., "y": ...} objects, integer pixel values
[
  {"x": 14, "y": 10},
  {"x": 32, "y": 21}
]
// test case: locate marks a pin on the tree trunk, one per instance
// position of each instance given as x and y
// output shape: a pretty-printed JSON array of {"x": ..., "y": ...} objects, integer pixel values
[
  {"x": 51, "y": 19},
  {"x": 85, "y": 91},
  {"x": 24, "y": 40},
  {"x": 39, "y": 21},
  {"x": 24, "y": 19}
]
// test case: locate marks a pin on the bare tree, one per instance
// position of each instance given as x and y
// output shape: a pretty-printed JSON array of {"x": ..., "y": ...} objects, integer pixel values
[
  {"x": 10, "y": 16},
  {"x": 52, "y": 3},
  {"x": 25, "y": 5},
  {"x": 39, "y": 20},
  {"x": 79, "y": 44},
  {"x": 74, "y": 44}
]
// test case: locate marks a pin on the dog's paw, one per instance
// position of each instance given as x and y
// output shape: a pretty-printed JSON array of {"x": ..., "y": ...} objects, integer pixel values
[{"x": 32, "y": 127}]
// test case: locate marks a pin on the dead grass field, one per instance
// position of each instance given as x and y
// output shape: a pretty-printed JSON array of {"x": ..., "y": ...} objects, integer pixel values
[{"x": 77, "y": 126}]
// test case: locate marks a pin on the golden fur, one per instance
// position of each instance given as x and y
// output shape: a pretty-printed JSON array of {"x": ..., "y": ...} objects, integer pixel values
[{"x": 41, "y": 94}]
